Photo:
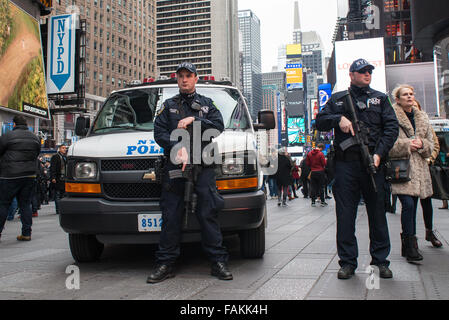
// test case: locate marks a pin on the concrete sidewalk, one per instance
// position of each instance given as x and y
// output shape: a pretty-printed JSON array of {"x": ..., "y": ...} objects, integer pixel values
[{"x": 310, "y": 233}]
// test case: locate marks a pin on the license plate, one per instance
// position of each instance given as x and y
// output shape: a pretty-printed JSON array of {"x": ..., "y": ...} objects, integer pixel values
[{"x": 149, "y": 222}]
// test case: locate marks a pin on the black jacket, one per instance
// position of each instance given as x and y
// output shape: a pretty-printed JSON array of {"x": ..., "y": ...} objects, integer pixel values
[
  {"x": 378, "y": 116},
  {"x": 19, "y": 150},
  {"x": 284, "y": 174},
  {"x": 177, "y": 108},
  {"x": 57, "y": 170}
]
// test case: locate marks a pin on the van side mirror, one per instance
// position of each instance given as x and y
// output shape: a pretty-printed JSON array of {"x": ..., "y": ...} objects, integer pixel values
[
  {"x": 266, "y": 120},
  {"x": 82, "y": 126}
]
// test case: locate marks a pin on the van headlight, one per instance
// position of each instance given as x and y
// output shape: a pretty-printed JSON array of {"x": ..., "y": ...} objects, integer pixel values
[
  {"x": 85, "y": 170},
  {"x": 233, "y": 166}
]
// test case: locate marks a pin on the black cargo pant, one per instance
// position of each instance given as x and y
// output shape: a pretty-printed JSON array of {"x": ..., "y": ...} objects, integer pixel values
[
  {"x": 352, "y": 181},
  {"x": 172, "y": 205}
]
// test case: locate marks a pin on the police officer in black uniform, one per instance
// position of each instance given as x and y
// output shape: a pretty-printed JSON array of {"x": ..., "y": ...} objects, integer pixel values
[
  {"x": 180, "y": 112},
  {"x": 375, "y": 112}
]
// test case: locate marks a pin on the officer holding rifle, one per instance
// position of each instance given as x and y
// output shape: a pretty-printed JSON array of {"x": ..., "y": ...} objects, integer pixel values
[
  {"x": 186, "y": 183},
  {"x": 365, "y": 131}
]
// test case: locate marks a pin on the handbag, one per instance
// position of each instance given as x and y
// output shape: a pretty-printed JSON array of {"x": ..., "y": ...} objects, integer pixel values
[{"x": 398, "y": 170}]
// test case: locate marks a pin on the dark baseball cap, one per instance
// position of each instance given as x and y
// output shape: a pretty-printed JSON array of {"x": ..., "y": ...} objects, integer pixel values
[
  {"x": 187, "y": 66},
  {"x": 360, "y": 64}
]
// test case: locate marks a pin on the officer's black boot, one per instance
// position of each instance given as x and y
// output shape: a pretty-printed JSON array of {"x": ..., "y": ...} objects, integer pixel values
[
  {"x": 160, "y": 273},
  {"x": 410, "y": 248},
  {"x": 221, "y": 271}
]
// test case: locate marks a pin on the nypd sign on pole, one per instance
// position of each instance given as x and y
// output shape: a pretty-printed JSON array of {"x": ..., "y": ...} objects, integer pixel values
[{"x": 61, "y": 54}]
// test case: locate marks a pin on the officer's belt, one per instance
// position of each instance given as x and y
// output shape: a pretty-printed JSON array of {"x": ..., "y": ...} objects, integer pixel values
[{"x": 350, "y": 155}]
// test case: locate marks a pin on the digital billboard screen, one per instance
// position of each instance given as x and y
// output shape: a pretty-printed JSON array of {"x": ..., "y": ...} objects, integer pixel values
[
  {"x": 22, "y": 80},
  {"x": 371, "y": 50},
  {"x": 295, "y": 103},
  {"x": 294, "y": 76},
  {"x": 296, "y": 131}
]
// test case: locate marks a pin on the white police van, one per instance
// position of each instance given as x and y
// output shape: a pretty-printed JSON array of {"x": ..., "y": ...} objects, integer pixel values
[{"x": 113, "y": 174}]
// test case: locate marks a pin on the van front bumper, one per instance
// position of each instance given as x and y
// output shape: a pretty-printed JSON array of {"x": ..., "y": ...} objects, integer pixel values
[{"x": 119, "y": 220}]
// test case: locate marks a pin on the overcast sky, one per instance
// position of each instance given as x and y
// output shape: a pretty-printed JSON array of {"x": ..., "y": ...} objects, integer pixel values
[{"x": 276, "y": 19}]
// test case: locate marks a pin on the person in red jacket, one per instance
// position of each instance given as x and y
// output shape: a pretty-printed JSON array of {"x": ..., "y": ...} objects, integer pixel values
[{"x": 317, "y": 163}]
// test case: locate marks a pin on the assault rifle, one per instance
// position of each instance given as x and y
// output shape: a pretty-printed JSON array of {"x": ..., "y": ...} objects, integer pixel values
[
  {"x": 361, "y": 138},
  {"x": 190, "y": 173}
]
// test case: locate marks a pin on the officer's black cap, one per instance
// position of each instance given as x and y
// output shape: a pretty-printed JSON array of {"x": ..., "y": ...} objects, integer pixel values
[
  {"x": 360, "y": 64},
  {"x": 187, "y": 66}
]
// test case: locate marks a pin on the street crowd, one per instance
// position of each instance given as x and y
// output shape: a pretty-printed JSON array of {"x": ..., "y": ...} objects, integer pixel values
[{"x": 27, "y": 179}]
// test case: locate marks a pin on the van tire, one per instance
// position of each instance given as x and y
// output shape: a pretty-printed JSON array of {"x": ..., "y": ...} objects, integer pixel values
[
  {"x": 252, "y": 242},
  {"x": 85, "y": 247}
]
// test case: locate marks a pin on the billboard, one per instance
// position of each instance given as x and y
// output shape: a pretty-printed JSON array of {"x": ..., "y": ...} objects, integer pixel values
[
  {"x": 22, "y": 80},
  {"x": 294, "y": 76},
  {"x": 61, "y": 54},
  {"x": 295, "y": 103},
  {"x": 296, "y": 131},
  {"x": 294, "y": 51},
  {"x": 369, "y": 49},
  {"x": 324, "y": 94},
  {"x": 314, "y": 108}
]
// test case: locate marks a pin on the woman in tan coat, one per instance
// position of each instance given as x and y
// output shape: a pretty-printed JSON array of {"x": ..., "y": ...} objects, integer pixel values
[{"x": 415, "y": 141}]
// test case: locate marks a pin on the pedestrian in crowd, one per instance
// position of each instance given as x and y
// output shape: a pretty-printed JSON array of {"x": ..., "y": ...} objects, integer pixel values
[
  {"x": 272, "y": 186},
  {"x": 317, "y": 163},
  {"x": 415, "y": 142},
  {"x": 291, "y": 188},
  {"x": 57, "y": 174},
  {"x": 283, "y": 177},
  {"x": 442, "y": 160},
  {"x": 426, "y": 204},
  {"x": 180, "y": 112},
  {"x": 304, "y": 177},
  {"x": 35, "y": 194},
  {"x": 19, "y": 150},
  {"x": 43, "y": 182},
  {"x": 296, "y": 173},
  {"x": 373, "y": 108}
]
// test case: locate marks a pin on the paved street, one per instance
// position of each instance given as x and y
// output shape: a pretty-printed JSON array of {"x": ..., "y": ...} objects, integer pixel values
[{"x": 300, "y": 263}]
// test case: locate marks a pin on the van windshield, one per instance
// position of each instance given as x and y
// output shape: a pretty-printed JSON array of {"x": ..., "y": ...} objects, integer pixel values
[{"x": 136, "y": 109}]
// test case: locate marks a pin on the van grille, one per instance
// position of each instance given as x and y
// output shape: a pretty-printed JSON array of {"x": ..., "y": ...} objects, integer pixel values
[
  {"x": 127, "y": 165},
  {"x": 149, "y": 191}
]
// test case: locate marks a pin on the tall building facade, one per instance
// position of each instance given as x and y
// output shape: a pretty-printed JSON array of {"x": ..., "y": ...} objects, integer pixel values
[
  {"x": 202, "y": 32},
  {"x": 390, "y": 19},
  {"x": 313, "y": 54},
  {"x": 120, "y": 47},
  {"x": 249, "y": 26}
]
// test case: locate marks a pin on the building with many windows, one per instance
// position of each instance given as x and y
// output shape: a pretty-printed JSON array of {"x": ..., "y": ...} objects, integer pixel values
[
  {"x": 202, "y": 32},
  {"x": 120, "y": 46},
  {"x": 249, "y": 26}
]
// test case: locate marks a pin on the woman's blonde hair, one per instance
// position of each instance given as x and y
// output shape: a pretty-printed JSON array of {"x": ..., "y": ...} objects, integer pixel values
[{"x": 397, "y": 91}]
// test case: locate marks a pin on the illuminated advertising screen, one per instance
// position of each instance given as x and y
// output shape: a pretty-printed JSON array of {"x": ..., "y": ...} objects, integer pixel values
[
  {"x": 294, "y": 51},
  {"x": 296, "y": 130},
  {"x": 295, "y": 103},
  {"x": 22, "y": 80},
  {"x": 324, "y": 94},
  {"x": 294, "y": 76},
  {"x": 371, "y": 50}
]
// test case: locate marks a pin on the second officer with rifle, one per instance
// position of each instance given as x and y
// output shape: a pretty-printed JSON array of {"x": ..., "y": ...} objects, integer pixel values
[
  {"x": 181, "y": 173},
  {"x": 363, "y": 138}
]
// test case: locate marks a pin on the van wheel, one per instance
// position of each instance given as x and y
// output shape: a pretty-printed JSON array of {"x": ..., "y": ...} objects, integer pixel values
[
  {"x": 85, "y": 247},
  {"x": 252, "y": 242}
]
